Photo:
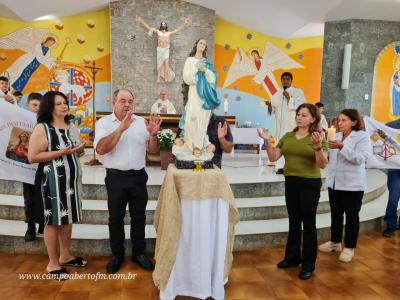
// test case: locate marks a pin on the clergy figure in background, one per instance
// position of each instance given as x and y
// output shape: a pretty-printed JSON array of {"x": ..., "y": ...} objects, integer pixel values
[
  {"x": 200, "y": 95},
  {"x": 164, "y": 38},
  {"x": 163, "y": 105},
  {"x": 284, "y": 104}
]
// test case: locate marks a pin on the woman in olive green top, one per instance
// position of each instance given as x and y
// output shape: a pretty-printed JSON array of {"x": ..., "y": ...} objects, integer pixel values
[{"x": 305, "y": 153}]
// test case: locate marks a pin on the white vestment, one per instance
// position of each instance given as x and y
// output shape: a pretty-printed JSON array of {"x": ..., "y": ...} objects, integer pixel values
[
  {"x": 285, "y": 111},
  {"x": 197, "y": 117},
  {"x": 324, "y": 122},
  {"x": 159, "y": 104},
  {"x": 285, "y": 114}
]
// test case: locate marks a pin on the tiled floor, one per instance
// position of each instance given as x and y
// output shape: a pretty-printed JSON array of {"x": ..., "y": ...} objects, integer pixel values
[{"x": 373, "y": 274}]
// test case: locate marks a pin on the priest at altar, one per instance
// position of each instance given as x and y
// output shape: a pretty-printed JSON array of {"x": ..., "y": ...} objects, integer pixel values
[
  {"x": 284, "y": 104},
  {"x": 163, "y": 105}
]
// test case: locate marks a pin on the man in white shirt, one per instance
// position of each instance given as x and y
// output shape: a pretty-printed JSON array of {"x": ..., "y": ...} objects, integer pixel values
[
  {"x": 122, "y": 138},
  {"x": 4, "y": 93},
  {"x": 284, "y": 103},
  {"x": 324, "y": 122},
  {"x": 163, "y": 105}
]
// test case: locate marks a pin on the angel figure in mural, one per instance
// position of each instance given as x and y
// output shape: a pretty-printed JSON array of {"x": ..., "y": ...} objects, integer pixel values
[
  {"x": 163, "y": 43},
  {"x": 36, "y": 43},
  {"x": 261, "y": 67}
]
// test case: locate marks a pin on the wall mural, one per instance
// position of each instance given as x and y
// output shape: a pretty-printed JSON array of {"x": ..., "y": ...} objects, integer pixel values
[
  {"x": 249, "y": 65},
  {"x": 59, "y": 55},
  {"x": 386, "y": 85}
]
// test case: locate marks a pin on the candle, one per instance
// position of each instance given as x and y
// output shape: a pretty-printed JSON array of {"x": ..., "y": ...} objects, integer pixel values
[
  {"x": 226, "y": 105},
  {"x": 331, "y": 133}
]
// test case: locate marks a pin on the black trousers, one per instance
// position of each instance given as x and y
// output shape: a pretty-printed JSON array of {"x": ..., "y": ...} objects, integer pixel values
[
  {"x": 127, "y": 187},
  {"x": 29, "y": 198},
  {"x": 349, "y": 203},
  {"x": 302, "y": 196}
]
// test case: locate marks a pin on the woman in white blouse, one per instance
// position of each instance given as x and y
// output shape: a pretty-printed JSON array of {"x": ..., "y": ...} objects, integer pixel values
[{"x": 346, "y": 182}]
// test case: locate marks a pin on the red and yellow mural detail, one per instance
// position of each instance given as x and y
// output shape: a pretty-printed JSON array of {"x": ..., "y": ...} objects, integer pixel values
[
  {"x": 309, "y": 78},
  {"x": 57, "y": 55},
  {"x": 80, "y": 39},
  {"x": 75, "y": 82},
  {"x": 303, "y": 58}
]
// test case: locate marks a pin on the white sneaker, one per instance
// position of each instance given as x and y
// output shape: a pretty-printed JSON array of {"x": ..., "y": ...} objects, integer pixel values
[
  {"x": 346, "y": 255},
  {"x": 330, "y": 247}
]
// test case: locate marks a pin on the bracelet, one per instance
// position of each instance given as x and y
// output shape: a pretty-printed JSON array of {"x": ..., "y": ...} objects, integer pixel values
[{"x": 317, "y": 149}]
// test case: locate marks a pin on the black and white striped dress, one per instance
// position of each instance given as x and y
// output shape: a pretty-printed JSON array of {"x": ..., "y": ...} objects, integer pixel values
[{"x": 57, "y": 182}]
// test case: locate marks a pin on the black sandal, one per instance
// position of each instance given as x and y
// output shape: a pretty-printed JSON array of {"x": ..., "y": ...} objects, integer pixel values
[
  {"x": 60, "y": 274},
  {"x": 78, "y": 262}
]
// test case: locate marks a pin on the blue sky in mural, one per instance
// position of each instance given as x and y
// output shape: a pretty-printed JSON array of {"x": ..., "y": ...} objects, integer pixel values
[{"x": 248, "y": 108}]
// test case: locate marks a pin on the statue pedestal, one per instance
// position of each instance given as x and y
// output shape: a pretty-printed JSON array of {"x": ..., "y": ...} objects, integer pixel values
[
  {"x": 190, "y": 164},
  {"x": 194, "y": 220}
]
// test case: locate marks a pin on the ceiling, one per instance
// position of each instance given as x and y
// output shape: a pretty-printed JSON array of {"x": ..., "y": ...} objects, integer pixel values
[{"x": 280, "y": 18}]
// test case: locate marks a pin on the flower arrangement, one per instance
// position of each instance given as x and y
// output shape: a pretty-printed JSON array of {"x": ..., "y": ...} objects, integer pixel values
[{"x": 166, "y": 138}]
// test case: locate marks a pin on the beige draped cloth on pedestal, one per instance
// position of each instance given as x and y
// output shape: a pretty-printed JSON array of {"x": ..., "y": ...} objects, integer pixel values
[{"x": 187, "y": 185}]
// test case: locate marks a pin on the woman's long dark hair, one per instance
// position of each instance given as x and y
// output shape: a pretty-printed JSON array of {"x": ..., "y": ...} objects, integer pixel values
[
  {"x": 314, "y": 111},
  {"x": 45, "y": 114},
  {"x": 354, "y": 115},
  {"x": 185, "y": 87}
]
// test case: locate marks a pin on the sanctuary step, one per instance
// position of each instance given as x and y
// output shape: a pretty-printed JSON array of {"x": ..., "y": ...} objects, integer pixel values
[
  {"x": 89, "y": 239},
  {"x": 259, "y": 208},
  {"x": 258, "y": 191}
]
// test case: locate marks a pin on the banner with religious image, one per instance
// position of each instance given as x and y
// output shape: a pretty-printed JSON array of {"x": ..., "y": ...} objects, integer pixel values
[
  {"x": 16, "y": 125},
  {"x": 385, "y": 145}
]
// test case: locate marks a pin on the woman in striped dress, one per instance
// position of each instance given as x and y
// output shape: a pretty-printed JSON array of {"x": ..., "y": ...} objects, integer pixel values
[{"x": 55, "y": 149}]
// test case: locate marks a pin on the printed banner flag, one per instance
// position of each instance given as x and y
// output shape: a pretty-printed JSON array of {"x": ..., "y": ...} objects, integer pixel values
[
  {"x": 385, "y": 145},
  {"x": 16, "y": 125}
]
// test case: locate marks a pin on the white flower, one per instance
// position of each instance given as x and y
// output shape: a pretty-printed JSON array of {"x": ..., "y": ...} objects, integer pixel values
[
  {"x": 59, "y": 163},
  {"x": 62, "y": 147},
  {"x": 63, "y": 213},
  {"x": 47, "y": 212},
  {"x": 166, "y": 134},
  {"x": 69, "y": 192}
]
